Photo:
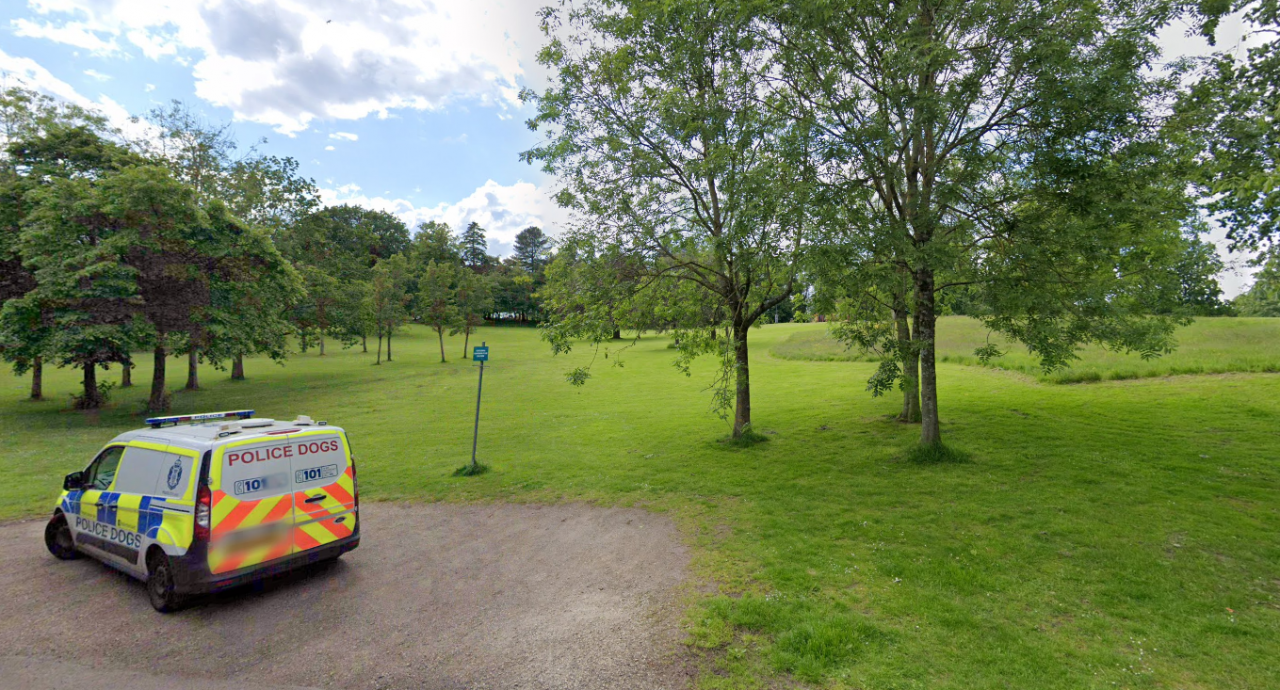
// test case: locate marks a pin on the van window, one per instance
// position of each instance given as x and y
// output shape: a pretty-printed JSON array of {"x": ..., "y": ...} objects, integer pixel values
[
  {"x": 102, "y": 470},
  {"x": 150, "y": 472}
]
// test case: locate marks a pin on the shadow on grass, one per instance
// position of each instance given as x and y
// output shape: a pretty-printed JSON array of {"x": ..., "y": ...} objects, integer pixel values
[
  {"x": 469, "y": 470},
  {"x": 749, "y": 439},
  {"x": 937, "y": 454}
]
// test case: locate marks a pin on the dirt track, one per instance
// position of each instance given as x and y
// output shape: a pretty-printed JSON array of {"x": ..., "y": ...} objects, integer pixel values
[{"x": 437, "y": 596}]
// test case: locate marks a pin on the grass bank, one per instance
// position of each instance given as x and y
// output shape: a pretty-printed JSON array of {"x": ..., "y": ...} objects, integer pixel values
[
  {"x": 1122, "y": 534},
  {"x": 1217, "y": 345}
]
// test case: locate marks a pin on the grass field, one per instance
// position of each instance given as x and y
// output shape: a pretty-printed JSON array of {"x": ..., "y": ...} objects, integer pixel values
[
  {"x": 1124, "y": 534},
  {"x": 1207, "y": 346}
]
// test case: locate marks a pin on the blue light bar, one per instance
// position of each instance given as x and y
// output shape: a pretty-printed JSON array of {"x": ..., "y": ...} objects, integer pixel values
[{"x": 157, "y": 422}]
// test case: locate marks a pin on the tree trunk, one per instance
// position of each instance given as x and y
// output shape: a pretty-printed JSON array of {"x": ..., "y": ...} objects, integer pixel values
[
  {"x": 237, "y": 368},
  {"x": 364, "y": 342},
  {"x": 389, "y": 344},
  {"x": 379, "y": 347},
  {"x": 159, "y": 402},
  {"x": 742, "y": 408},
  {"x": 126, "y": 375},
  {"x": 193, "y": 370},
  {"x": 930, "y": 428},
  {"x": 617, "y": 333},
  {"x": 320, "y": 325},
  {"x": 37, "y": 378},
  {"x": 92, "y": 399},
  {"x": 466, "y": 338},
  {"x": 910, "y": 360},
  {"x": 440, "y": 332}
]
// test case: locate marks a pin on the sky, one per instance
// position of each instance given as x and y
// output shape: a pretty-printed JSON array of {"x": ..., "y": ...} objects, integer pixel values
[{"x": 408, "y": 106}]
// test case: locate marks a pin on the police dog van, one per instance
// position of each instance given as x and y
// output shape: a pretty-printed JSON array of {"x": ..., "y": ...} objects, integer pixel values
[{"x": 202, "y": 502}]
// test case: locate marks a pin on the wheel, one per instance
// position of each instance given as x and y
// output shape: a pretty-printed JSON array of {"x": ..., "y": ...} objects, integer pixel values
[
  {"x": 57, "y": 537},
  {"x": 160, "y": 584}
]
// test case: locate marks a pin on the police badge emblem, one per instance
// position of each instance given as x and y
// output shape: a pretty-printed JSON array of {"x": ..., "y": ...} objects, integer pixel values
[{"x": 175, "y": 474}]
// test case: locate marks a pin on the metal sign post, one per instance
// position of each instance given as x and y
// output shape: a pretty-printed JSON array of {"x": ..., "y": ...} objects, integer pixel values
[{"x": 478, "y": 354}]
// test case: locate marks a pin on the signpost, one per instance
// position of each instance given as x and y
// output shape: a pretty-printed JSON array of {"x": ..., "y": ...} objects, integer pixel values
[{"x": 478, "y": 354}]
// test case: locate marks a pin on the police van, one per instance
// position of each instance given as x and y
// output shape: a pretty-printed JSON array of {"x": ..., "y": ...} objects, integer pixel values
[{"x": 202, "y": 502}]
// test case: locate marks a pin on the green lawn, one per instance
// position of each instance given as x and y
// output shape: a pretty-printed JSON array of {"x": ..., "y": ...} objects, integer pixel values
[
  {"x": 1207, "y": 346},
  {"x": 1120, "y": 534}
]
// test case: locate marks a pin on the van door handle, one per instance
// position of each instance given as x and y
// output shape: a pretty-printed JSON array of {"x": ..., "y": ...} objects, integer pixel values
[
  {"x": 99, "y": 505},
  {"x": 313, "y": 499}
]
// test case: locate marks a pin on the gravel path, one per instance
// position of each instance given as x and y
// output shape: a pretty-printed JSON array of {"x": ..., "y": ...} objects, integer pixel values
[{"x": 437, "y": 596}]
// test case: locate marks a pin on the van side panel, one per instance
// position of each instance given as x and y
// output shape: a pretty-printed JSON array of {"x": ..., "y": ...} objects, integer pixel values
[
  {"x": 324, "y": 496},
  {"x": 252, "y": 504}
]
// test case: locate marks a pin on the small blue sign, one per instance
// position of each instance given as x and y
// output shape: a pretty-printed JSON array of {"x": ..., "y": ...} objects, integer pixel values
[{"x": 480, "y": 354}]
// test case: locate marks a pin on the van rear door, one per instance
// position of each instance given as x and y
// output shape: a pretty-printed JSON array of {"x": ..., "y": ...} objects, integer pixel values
[
  {"x": 324, "y": 503},
  {"x": 252, "y": 486}
]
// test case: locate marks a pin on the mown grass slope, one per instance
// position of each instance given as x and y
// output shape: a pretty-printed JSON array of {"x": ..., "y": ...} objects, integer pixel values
[
  {"x": 1216, "y": 345},
  {"x": 1121, "y": 534}
]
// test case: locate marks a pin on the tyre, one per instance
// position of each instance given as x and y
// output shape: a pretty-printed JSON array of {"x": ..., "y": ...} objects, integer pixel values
[
  {"x": 160, "y": 588},
  {"x": 57, "y": 537}
]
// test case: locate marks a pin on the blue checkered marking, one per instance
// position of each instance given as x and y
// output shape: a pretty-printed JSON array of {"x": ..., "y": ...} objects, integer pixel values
[
  {"x": 110, "y": 507},
  {"x": 149, "y": 518},
  {"x": 71, "y": 502}
]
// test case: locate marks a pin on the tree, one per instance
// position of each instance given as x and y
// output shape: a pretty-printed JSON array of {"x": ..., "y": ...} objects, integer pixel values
[
  {"x": 531, "y": 250},
  {"x": 436, "y": 305},
  {"x": 315, "y": 313},
  {"x": 390, "y": 298},
  {"x": 258, "y": 189},
  {"x": 474, "y": 248},
  {"x": 969, "y": 136},
  {"x": 76, "y": 305},
  {"x": 1263, "y": 297},
  {"x": 1232, "y": 112},
  {"x": 434, "y": 242},
  {"x": 26, "y": 115},
  {"x": 335, "y": 248},
  {"x": 474, "y": 300},
  {"x": 657, "y": 131}
]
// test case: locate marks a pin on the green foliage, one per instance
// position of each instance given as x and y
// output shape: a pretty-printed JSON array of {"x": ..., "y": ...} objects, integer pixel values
[
  {"x": 531, "y": 251},
  {"x": 434, "y": 242},
  {"x": 1232, "y": 114},
  {"x": 474, "y": 299},
  {"x": 1263, "y": 297},
  {"x": 436, "y": 304},
  {"x": 474, "y": 248},
  {"x": 390, "y": 297}
]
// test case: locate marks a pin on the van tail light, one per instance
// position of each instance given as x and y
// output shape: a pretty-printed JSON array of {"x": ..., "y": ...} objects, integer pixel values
[{"x": 204, "y": 512}]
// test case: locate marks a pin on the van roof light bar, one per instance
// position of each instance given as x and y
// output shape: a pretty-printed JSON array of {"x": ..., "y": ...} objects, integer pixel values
[{"x": 157, "y": 422}]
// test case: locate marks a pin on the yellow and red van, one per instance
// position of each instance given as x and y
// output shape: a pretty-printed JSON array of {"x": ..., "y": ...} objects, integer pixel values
[{"x": 198, "y": 503}]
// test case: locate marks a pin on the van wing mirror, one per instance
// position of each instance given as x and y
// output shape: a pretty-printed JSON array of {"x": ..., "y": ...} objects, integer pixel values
[{"x": 73, "y": 481}]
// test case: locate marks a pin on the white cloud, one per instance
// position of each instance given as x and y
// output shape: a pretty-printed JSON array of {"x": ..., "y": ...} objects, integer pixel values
[
  {"x": 348, "y": 136},
  {"x": 95, "y": 74},
  {"x": 503, "y": 211},
  {"x": 289, "y": 62},
  {"x": 328, "y": 148},
  {"x": 31, "y": 74},
  {"x": 149, "y": 88}
]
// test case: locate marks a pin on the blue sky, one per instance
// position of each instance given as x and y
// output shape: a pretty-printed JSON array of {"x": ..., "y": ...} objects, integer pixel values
[{"x": 409, "y": 106}]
